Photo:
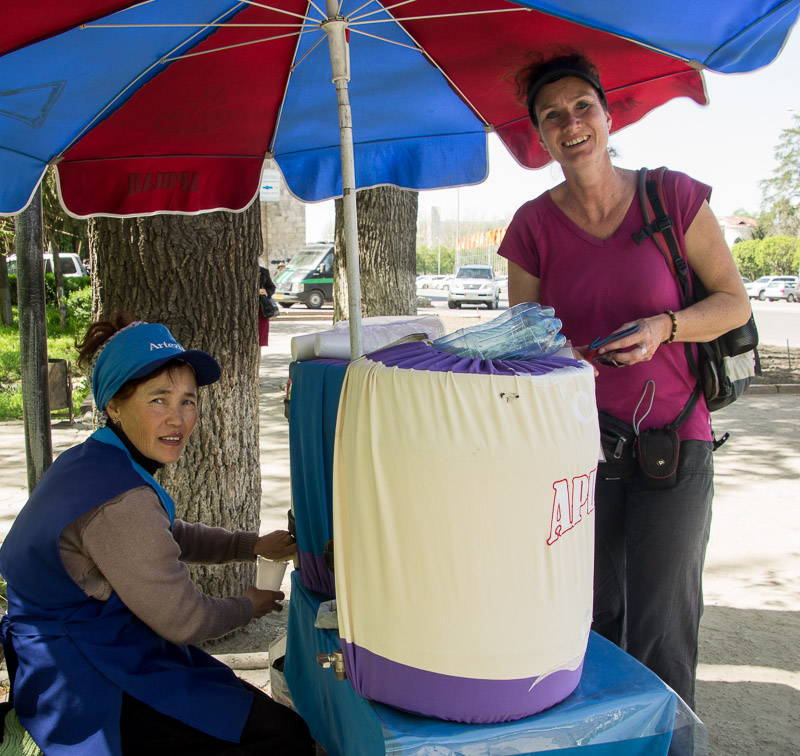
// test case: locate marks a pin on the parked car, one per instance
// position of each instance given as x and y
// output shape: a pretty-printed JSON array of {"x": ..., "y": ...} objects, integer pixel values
[
  {"x": 474, "y": 284},
  {"x": 307, "y": 277},
  {"x": 502, "y": 282},
  {"x": 69, "y": 263},
  {"x": 758, "y": 289},
  {"x": 780, "y": 289}
]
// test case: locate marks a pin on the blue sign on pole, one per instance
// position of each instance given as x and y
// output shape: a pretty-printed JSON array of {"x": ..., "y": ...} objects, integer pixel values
[{"x": 270, "y": 185}]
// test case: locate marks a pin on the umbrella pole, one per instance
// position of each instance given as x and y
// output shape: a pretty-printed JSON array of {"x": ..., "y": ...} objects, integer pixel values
[{"x": 336, "y": 29}]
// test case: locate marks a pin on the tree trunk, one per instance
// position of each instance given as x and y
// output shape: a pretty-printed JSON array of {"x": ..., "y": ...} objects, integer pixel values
[
  {"x": 6, "y": 315},
  {"x": 198, "y": 275},
  {"x": 387, "y": 232},
  {"x": 61, "y": 300}
]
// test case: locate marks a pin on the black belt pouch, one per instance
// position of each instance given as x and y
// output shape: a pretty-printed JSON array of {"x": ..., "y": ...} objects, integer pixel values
[{"x": 658, "y": 451}]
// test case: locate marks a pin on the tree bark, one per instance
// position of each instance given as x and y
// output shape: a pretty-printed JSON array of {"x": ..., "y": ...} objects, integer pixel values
[
  {"x": 32, "y": 311},
  {"x": 387, "y": 232},
  {"x": 198, "y": 275},
  {"x": 61, "y": 301},
  {"x": 6, "y": 314}
]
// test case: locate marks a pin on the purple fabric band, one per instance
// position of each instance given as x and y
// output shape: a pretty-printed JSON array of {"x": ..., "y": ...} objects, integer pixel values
[
  {"x": 315, "y": 574},
  {"x": 457, "y": 699},
  {"x": 417, "y": 355}
]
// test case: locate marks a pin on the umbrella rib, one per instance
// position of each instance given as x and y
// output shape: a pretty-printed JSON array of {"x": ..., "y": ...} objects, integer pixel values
[
  {"x": 308, "y": 52},
  {"x": 453, "y": 85},
  {"x": 384, "y": 39},
  {"x": 131, "y": 83},
  {"x": 295, "y": 64},
  {"x": 198, "y": 24},
  {"x": 382, "y": 9},
  {"x": 335, "y": 145},
  {"x": 238, "y": 44},
  {"x": 436, "y": 15},
  {"x": 285, "y": 12},
  {"x": 147, "y": 157},
  {"x": 283, "y": 99}
]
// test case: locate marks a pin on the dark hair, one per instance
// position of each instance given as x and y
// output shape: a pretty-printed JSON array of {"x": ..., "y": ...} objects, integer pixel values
[
  {"x": 99, "y": 332},
  {"x": 532, "y": 77}
]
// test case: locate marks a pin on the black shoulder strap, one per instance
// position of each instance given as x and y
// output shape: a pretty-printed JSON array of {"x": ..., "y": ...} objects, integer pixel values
[{"x": 650, "y": 191}]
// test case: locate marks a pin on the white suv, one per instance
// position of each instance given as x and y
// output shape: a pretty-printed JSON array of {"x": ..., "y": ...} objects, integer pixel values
[
  {"x": 780, "y": 288},
  {"x": 758, "y": 289},
  {"x": 474, "y": 284},
  {"x": 69, "y": 263}
]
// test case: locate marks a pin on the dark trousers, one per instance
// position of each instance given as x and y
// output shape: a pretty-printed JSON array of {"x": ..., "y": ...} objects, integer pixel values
[
  {"x": 270, "y": 729},
  {"x": 650, "y": 546}
]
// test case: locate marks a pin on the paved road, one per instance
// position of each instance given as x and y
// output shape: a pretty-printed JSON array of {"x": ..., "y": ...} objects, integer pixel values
[{"x": 777, "y": 322}]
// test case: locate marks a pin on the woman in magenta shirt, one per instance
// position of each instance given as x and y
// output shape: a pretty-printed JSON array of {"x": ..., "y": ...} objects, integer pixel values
[{"x": 572, "y": 248}]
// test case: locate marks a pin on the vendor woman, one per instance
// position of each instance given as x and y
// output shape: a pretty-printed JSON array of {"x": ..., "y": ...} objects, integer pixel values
[{"x": 102, "y": 612}]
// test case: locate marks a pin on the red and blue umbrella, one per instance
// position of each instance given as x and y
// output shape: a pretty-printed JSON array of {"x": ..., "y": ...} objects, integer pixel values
[{"x": 172, "y": 106}]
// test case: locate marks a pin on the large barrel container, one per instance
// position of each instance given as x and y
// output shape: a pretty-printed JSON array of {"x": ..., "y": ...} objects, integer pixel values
[{"x": 463, "y": 498}]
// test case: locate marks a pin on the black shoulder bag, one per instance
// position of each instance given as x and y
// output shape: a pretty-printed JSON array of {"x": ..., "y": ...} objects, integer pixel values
[{"x": 726, "y": 365}]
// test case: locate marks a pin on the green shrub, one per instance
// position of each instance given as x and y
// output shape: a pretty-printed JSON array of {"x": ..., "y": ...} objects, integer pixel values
[
  {"x": 9, "y": 353},
  {"x": 80, "y": 308},
  {"x": 60, "y": 345},
  {"x": 71, "y": 284},
  {"x": 772, "y": 256},
  {"x": 10, "y": 403}
]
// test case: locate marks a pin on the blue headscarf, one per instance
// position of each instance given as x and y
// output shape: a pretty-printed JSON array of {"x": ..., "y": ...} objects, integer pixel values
[{"x": 137, "y": 351}]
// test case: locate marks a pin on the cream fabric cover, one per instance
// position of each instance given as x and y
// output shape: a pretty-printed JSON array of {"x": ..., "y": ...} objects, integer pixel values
[{"x": 463, "y": 518}]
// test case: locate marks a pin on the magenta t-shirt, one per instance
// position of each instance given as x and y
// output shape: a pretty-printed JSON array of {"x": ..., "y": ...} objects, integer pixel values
[{"x": 596, "y": 285}]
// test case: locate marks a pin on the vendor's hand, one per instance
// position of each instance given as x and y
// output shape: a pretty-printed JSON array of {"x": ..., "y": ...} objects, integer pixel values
[
  {"x": 264, "y": 602},
  {"x": 278, "y": 545}
]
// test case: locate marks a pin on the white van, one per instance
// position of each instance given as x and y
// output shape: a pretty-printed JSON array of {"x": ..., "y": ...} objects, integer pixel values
[{"x": 69, "y": 263}]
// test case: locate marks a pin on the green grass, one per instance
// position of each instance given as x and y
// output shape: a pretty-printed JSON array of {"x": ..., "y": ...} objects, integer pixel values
[{"x": 60, "y": 345}]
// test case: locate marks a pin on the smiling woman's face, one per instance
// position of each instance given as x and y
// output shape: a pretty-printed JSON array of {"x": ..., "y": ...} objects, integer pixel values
[
  {"x": 573, "y": 124},
  {"x": 160, "y": 415}
]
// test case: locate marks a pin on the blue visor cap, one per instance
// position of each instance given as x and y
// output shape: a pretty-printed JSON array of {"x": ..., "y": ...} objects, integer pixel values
[{"x": 141, "y": 350}]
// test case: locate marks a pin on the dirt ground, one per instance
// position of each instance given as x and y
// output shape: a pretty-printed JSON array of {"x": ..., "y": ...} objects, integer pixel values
[
  {"x": 778, "y": 365},
  {"x": 749, "y": 674}
]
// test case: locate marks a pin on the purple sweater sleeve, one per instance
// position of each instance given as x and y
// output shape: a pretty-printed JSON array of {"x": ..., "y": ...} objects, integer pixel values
[{"x": 129, "y": 543}]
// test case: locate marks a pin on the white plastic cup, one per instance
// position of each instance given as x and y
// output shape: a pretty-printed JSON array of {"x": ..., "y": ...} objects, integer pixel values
[{"x": 270, "y": 574}]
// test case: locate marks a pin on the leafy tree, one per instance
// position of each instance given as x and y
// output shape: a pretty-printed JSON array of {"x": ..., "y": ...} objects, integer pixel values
[
  {"x": 745, "y": 253},
  {"x": 780, "y": 255},
  {"x": 428, "y": 260},
  {"x": 68, "y": 234},
  {"x": 781, "y": 193},
  {"x": 760, "y": 231},
  {"x": 773, "y": 256}
]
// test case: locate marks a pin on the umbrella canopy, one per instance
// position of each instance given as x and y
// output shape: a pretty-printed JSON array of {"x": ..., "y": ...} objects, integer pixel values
[{"x": 170, "y": 106}]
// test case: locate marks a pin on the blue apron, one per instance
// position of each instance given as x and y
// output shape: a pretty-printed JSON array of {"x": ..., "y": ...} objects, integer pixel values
[{"x": 76, "y": 654}]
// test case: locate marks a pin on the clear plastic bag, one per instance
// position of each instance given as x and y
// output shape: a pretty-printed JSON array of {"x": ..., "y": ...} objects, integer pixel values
[{"x": 523, "y": 332}]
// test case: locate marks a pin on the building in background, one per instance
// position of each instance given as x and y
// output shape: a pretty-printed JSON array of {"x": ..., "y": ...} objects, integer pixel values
[
  {"x": 737, "y": 228},
  {"x": 283, "y": 217}
]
